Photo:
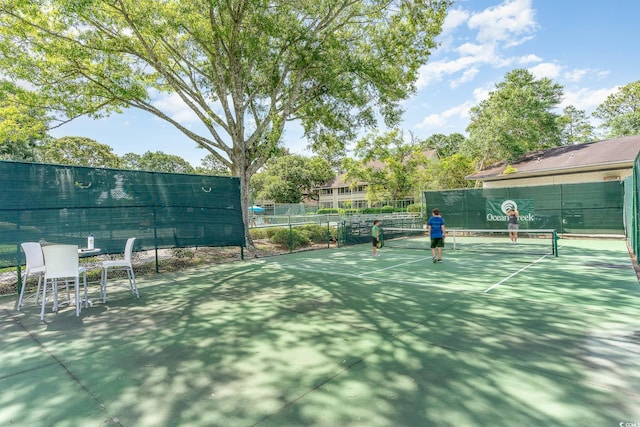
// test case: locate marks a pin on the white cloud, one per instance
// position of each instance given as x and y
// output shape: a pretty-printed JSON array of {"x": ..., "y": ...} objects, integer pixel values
[
  {"x": 435, "y": 71},
  {"x": 474, "y": 50},
  {"x": 512, "y": 21},
  {"x": 586, "y": 99},
  {"x": 575, "y": 76},
  {"x": 432, "y": 121},
  {"x": 467, "y": 76},
  {"x": 482, "y": 93},
  {"x": 528, "y": 59},
  {"x": 602, "y": 74},
  {"x": 497, "y": 28},
  {"x": 454, "y": 19},
  {"x": 440, "y": 120},
  {"x": 473, "y": 55},
  {"x": 546, "y": 69},
  {"x": 174, "y": 107}
]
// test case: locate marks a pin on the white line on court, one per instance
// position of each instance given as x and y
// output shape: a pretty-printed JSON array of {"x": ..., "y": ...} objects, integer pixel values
[
  {"x": 398, "y": 265},
  {"x": 367, "y": 276},
  {"x": 513, "y": 274}
]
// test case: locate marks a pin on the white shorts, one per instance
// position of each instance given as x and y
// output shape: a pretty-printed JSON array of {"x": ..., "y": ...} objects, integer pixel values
[{"x": 513, "y": 227}]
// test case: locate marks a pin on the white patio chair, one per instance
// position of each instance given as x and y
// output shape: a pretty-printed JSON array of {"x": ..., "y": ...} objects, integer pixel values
[
  {"x": 124, "y": 264},
  {"x": 34, "y": 264},
  {"x": 61, "y": 263}
]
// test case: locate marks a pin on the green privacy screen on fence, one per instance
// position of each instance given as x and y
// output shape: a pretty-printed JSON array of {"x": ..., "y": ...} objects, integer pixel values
[
  {"x": 631, "y": 211},
  {"x": 64, "y": 204},
  {"x": 588, "y": 208},
  {"x": 632, "y": 207}
]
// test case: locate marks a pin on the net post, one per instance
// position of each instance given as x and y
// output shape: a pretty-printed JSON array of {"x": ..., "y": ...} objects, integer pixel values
[
  {"x": 555, "y": 242},
  {"x": 454, "y": 239}
]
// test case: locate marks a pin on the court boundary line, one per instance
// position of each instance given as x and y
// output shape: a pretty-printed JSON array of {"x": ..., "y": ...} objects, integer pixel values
[
  {"x": 495, "y": 285},
  {"x": 367, "y": 275},
  {"x": 387, "y": 280},
  {"x": 402, "y": 263}
]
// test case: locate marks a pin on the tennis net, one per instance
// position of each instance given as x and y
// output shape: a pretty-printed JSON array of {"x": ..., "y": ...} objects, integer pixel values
[{"x": 533, "y": 242}]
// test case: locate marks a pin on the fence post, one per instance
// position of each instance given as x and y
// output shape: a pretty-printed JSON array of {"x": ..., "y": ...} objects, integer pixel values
[
  {"x": 290, "y": 237},
  {"x": 18, "y": 268},
  {"x": 328, "y": 235},
  {"x": 632, "y": 229}
]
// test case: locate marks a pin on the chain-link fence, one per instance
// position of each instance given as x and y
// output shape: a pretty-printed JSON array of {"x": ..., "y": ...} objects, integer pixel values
[
  {"x": 587, "y": 208},
  {"x": 64, "y": 204}
]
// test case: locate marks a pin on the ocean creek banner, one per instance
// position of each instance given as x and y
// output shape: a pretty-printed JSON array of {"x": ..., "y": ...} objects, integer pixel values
[{"x": 497, "y": 209}]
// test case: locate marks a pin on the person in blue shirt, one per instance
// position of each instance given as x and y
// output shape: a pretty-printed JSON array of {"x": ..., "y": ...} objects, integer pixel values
[{"x": 436, "y": 228}]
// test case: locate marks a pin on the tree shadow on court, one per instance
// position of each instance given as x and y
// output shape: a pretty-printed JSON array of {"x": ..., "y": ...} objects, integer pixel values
[{"x": 263, "y": 344}]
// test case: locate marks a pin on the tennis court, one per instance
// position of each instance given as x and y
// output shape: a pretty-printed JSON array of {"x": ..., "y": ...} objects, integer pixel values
[{"x": 337, "y": 337}]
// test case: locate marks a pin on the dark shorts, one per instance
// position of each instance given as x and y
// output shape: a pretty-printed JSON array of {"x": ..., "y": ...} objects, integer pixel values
[
  {"x": 374, "y": 241},
  {"x": 437, "y": 242}
]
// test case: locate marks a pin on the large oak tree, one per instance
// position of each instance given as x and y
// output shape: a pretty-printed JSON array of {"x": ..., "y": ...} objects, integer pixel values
[
  {"x": 243, "y": 67},
  {"x": 22, "y": 127}
]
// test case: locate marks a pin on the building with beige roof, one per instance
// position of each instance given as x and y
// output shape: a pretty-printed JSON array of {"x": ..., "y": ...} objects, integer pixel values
[{"x": 606, "y": 160}]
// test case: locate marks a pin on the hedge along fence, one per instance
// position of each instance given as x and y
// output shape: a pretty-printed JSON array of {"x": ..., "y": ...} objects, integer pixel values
[
  {"x": 296, "y": 236},
  {"x": 415, "y": 208}
]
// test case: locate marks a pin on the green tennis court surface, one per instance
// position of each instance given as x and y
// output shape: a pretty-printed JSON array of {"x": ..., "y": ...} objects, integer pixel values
[{"x": 340, "y": 338}]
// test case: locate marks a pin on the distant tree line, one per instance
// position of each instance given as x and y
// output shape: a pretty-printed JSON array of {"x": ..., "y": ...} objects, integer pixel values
[{"x": 519, "y": 116}]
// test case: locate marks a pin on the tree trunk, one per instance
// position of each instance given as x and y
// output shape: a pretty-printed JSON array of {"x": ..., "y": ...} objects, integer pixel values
[{"x": 244, "y": 194}]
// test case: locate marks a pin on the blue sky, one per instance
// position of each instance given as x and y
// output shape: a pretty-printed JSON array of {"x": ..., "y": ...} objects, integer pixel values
[{"x": 587, "y": 46}]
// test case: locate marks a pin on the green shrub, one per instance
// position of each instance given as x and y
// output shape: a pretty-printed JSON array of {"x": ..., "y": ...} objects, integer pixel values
[
  {"x": 414, "y": 208},
  {"x": 328, "y": 211},
  {"x": 258, "y": 233},
  {"x": 351, "y": 211},
  {"x": 334, "y": 233},
  {"x": 271, "y": 231},
  {"x": 290, "y": 238},
  {"x": 315, "y": 232},
  {"x": 387, "y": 209},
  {"x": 371, "y": 211}
]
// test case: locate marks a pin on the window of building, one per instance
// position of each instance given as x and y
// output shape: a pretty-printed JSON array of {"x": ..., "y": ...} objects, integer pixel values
[{"x": 360, "y": 189}]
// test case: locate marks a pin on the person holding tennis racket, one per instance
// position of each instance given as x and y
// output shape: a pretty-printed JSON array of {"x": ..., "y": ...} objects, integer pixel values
[
  {"x": 512, "y": 225},
  {"x": 375, "y": 237},
  {"x": 436, "y": 228}
]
